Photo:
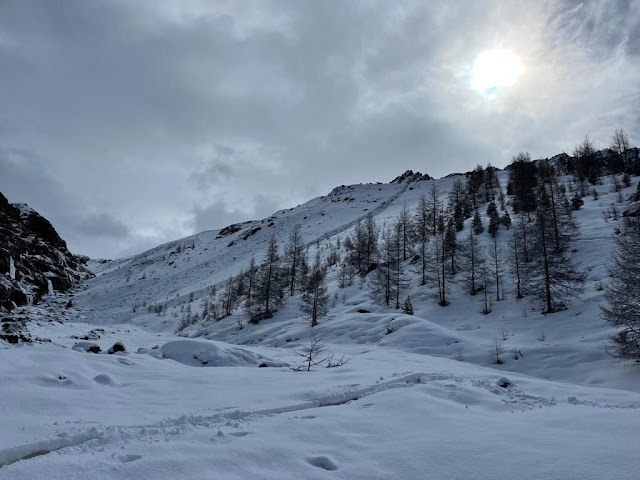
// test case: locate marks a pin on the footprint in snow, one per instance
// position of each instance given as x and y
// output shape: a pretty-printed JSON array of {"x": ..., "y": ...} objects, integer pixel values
[
  {"x": 322, "y": 462},
  {"x": 103, "y": 379},
  {"x": 129, "y": 458}
]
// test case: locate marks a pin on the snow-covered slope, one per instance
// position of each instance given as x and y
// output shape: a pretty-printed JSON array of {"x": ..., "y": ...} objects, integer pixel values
[{"x": 171, "y": 272}]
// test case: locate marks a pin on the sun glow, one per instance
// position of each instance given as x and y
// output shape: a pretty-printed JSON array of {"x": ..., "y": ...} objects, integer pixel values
[{"x": 494, "y": 70}]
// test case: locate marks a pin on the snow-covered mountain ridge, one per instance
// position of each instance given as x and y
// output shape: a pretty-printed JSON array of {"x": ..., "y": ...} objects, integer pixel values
[{"x": 194, "y": 264}]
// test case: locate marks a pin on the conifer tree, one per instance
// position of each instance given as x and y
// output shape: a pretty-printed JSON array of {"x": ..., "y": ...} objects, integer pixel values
[
  {"x": 355, "y": 245},
  {"x": 451, "y": 246},
  {"x": 506, "y": 219},
  {"x": 381, "y": 285},
  {"x": 623, "y": 291},
  {"x": 494, "y": 219},
  {"x": 407, "y": 308},
  {"x": 620, "y": 145},
  {"x": 441, "y": 257},
  {"x": 458, "y": 205},
  {"x": 586, "y": 165},
  {"x": 228, "y": 297},
  {"x": 434, "y": 207},
  {"x": 315, "y": 298},
  {"x": 363, "y": 245},
  {"x": 522, "y": 183},
  {"x": 474, "y": 182},
  {"x": 515, "y": 247},
  {"x": 422, "y": 225},
  {"x": 269, "y": 290},
  {"x": 552, "y": 273},
  {"x": 371, "y": 241},
  {"x": 490, "y": 183},
  {"x": 293, "y": 254},
  {"x": 472, "y": 255},
  {"x": 398, "y": 279},
  {"x": 476, "y": 223},
  {"x": 496, "y": 263},
  {"x": 406, "y": 231},
  {"x": 347, "y": 272}
]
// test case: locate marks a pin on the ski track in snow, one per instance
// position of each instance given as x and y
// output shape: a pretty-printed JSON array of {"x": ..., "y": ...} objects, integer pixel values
[{"x": 169, "y": 428}]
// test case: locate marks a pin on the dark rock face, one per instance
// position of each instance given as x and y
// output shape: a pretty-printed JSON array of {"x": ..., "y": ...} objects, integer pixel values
[
  {"x": 409, "y": 176},
  {"x": 38, "y": 253},
  {"x": 13, "y": 331},
  {"x": 117, "y": 347}
]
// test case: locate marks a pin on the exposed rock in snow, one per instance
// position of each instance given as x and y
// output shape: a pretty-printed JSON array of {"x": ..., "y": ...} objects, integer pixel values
[
  {"x": 86, "y": 346},
  {"x": 117, "y": 347},
  {"x": 409, "y": 176}
]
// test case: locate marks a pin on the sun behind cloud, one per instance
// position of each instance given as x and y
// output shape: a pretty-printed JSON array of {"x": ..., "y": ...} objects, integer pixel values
[{"x": 494, "y": 70}]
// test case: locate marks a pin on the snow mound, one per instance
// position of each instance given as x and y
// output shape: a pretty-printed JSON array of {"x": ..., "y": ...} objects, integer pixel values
[
  {"x": 199, "y": 353},
  {"x": 85, "y": 346}
]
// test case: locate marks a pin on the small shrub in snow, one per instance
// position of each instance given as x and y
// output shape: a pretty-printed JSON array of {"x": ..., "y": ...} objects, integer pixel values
[
  {"x": 496, "y": 350},
  {"x": 504, "y": 333},
  {"x": 316, "y": 355},
  {"x": 331, "y": 363}
]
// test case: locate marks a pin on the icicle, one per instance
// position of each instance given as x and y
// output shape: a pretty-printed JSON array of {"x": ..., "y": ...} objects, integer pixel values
[
  {"x": 50, "y": 286},
  {"x": 29, "y": 299},
  {"x": 12, "y": 269}
]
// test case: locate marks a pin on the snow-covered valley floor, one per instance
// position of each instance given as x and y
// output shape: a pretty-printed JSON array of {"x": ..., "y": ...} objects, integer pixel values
[{"x": 387, "y": 413}]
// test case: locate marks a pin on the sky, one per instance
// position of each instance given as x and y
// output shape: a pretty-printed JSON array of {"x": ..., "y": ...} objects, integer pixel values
[{"x": 129, "y": 124}]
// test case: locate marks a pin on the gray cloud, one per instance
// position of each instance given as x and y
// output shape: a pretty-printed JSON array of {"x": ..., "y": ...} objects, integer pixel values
[
  {"x": 103, "y": 225},
  {"x": 172, "y": 117}
]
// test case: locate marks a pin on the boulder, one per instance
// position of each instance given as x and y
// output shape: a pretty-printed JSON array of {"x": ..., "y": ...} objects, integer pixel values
[{"x": 117, "y": 347}]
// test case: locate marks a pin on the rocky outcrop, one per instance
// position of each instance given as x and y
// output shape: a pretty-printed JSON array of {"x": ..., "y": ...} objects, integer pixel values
[
  {"x": 33, "y": 257},
  {"x": 409, "y": 176}
]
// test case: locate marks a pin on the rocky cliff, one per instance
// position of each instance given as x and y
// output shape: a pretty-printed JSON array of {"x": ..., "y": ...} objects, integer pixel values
[{"x": 33, "y": 258}]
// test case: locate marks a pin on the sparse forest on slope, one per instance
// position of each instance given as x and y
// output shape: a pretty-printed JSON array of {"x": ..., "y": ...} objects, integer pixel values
[{"x": 473, "y": 239}]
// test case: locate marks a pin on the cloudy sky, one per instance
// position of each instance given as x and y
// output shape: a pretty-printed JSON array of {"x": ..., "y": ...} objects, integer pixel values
[{"x": 131, "y": 123}]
